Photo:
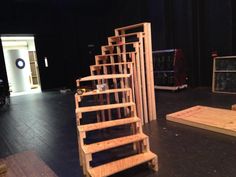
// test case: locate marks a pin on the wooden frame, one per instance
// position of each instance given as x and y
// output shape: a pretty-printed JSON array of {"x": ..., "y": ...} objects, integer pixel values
[
  {"x": 145, "y": 29},
  {"x": 138, "y": 59},
  {"x": 105, "y": 68},
  {"x": 126, "y": 69}
]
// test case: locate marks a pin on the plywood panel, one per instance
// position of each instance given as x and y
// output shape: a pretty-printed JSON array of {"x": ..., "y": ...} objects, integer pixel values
[{"x": 214, "y": 119}]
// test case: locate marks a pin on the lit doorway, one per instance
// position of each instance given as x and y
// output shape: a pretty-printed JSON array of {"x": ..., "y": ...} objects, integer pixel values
[{"x": 21, "y": 64}]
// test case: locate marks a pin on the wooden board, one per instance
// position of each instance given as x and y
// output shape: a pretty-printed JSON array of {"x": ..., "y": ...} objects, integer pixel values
[
  {"x": 106, "y": 124},
  {"x": 214, "y": 119},
  {"x": 26, "y": 164},
  {"x": 100, "y": 77},
  {"x": 115, "y": 142},
  {"x": 104, "y": 107},
  {"x": 120, "y": 165},
  {"x": 113, "y": 54},
  {"x": 97, "y": 92},
  {"x": 173, "y": 88}
]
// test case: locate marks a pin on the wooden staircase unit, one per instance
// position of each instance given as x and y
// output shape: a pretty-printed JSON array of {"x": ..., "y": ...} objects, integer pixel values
[{"x": 121, "y": 69}]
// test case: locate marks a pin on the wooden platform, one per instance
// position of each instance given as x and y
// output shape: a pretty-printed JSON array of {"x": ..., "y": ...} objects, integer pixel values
[
  {"x": 26, "y": 164},
  {"x": 214, "y": 119}
]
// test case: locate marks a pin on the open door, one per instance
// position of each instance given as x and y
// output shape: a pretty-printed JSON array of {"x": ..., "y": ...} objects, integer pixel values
[{"x": 21, "y": 64}]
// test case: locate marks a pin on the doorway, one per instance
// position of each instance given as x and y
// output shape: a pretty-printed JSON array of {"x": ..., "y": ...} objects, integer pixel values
[{"x": 21, "y": 64}]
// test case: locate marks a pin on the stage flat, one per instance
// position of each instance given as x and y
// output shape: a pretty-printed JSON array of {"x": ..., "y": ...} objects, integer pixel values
[
  {"x": 26, "y": 164},
  {"x": 214, "y": 119}
]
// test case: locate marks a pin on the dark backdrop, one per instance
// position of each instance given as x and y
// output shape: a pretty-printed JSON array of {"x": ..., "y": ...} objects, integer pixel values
[
  {"x": 198, "y": 27},
  {"x": 64, "y": 29}
]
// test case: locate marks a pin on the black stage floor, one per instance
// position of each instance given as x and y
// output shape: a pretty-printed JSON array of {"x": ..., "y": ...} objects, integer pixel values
[{"x": 45, "y": 123}]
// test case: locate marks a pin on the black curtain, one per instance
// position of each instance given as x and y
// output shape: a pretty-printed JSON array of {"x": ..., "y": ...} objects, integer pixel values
[
  {"x": 197, "y": 27},
  {"x": 64, "y": 30}
]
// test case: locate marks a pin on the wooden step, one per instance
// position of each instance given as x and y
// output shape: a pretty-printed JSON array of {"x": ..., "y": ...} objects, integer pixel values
[
  {"x": 109, "y": 144},
  {"x": 114, "y": 54},
  {"x": 120, "y": 165},
  {"x": 111, "y": 64},
  {"x": 105, "y": 76},
  {"x": 106, "y": 124},
  {"x": 96, "y": 92},
  {"x": 104, "y": 107}
]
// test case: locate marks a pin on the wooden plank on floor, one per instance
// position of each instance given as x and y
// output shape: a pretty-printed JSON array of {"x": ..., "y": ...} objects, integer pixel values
[
  {"x": 213, "y": 119},
  {"x": 26, "y": 164}
]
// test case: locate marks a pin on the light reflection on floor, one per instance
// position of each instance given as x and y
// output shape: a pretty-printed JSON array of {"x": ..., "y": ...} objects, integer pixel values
[{"x": 32, "y": 91}]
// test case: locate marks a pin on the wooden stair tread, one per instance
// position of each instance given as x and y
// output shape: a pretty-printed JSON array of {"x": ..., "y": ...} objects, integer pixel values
[
  {"x": 120, "y": 165},
  {"x": 104, "y": 107},
  {"x": 108, "y": 144},
  {"x": 106, "y": 124},
  {"x": 100, "y": 77},
  {"x": 96, "y": 92},
  {"x": 111, "y": 64},
  {"x": 113, "y": 54}
]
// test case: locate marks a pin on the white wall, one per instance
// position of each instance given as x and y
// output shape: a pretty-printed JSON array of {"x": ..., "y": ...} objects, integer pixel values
[{"x": 31, "y": 45}]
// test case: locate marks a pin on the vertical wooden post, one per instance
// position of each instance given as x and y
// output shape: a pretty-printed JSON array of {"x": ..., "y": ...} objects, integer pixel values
[
  {"x": 143, "y": 77},
  {"x": 149, "y": 71}
]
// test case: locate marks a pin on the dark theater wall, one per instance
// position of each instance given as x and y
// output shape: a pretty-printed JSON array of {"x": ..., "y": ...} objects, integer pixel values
[{"x": 63, "y": 30}]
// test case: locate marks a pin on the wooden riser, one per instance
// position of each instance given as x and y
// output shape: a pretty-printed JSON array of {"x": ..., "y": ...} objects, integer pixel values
[
  {"x": 103, "y": 107},
  {"x": 112, "y": 123},
  {"x": 109, "y": 144},
  {"x": 123, "y": 164}
]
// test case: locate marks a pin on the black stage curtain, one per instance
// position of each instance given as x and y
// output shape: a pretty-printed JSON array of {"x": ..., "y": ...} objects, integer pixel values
[
  {"x": 198, "y": 27},
  {"x": 64, "y": 30}
]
